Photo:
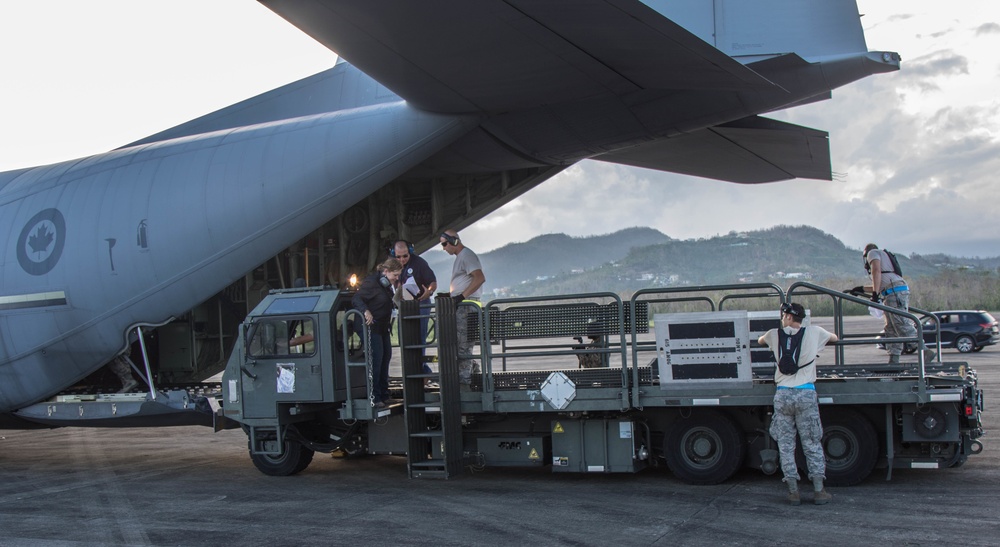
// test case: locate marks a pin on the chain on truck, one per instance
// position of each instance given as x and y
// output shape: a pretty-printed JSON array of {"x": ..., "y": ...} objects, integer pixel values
[{"x": 691, "y": 390}]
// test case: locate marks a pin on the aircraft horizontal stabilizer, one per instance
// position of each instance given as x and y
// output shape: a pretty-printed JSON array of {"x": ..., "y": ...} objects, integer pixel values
[
  {"x": 751, "y": 150},
  {"x": 497, "y": 55}
]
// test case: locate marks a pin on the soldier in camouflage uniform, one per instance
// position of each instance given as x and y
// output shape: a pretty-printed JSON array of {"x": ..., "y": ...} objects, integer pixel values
[
  {"x": 796, "y": 405},
  {"x": 121, "y": 366},
  {"x": 467, "y": 280},
  {"x": 468, "y": 339},
  {"x": 591, "y": 360}
]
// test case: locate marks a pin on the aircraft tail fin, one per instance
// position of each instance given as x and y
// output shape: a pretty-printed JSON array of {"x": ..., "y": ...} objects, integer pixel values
[
  {"x": 748, "y": 31},
  {"x": 751, "y": 150}
]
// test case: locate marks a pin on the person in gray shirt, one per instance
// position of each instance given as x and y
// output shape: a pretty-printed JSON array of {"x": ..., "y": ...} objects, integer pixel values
[
  {"x": 890, "y": 289},
  {"x": 467, "y": 279}
]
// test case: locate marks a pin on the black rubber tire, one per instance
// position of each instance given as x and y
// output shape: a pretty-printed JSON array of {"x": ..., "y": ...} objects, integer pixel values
[
  {"x": 294, "y": 459},
  {"x": 705, "y": 448},
  {"x": 965, "y": 344},
  {"x": 850, "y": 444}
]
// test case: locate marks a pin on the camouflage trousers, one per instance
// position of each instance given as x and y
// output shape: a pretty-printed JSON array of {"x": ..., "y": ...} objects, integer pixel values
[
  {"x": 897, "y": 326},
  {"x": 798, "y": 409},
  {"x": 590, "y": 360},
  {"x": 466, "y": 365},
  {"x": 120, "y": 366}
]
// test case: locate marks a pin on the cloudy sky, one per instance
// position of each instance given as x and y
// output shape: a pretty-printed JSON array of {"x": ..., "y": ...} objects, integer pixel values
[{"x": 916, "y": 153}]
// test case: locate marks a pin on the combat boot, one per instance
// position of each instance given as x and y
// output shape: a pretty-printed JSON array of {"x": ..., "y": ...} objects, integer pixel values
[
  {"x": 822, "y": 497},
  {"x": 929, "y": 355},
  {"x": 794, "y": 498},
  {"x": 793, "y": 492},
  {"x": 893, "y": 359}
]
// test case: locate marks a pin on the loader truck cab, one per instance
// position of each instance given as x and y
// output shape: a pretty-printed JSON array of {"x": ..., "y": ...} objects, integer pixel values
[{"x": 291, "y": 375}]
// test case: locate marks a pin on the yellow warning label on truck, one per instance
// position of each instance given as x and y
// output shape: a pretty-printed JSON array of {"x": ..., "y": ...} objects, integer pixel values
[
  {"x": 557, "y": 428},
  {"x": 533, "y": 455}
]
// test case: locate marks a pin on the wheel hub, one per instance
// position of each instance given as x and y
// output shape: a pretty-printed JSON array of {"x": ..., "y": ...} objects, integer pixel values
[
  {"x": 836, "y": 447},
  {"x": 701, "y": 447}
]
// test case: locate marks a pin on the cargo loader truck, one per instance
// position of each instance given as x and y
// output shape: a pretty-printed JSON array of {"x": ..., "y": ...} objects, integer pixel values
[{"x": 689, "y": 390}]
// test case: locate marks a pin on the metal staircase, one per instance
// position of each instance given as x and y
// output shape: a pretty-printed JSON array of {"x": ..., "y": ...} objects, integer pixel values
[{"x": 433, "y": 419}]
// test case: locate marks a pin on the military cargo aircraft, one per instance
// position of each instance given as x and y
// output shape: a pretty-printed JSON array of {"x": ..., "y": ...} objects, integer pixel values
[{"x": 436, "y": 114}]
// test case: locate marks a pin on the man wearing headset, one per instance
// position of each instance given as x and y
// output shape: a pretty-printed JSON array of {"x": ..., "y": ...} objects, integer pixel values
[
  {"x": 467, "y": 280},
  {"x": 416, "y": 268},
  {"x": 796, "y": 405}
]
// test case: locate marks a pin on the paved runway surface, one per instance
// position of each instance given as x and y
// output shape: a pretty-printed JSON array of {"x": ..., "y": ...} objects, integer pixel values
[{"x": 190, "y": 486}]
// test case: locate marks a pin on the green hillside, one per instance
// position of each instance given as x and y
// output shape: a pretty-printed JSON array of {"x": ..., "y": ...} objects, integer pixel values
[{"x": 639, "y": 258}]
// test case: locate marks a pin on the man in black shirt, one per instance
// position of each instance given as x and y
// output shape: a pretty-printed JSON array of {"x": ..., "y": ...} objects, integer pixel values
[{"x": 424, "y": 282}]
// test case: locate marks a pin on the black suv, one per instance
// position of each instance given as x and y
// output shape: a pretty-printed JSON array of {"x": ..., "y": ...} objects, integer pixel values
[{"x": 964, "y": 330}]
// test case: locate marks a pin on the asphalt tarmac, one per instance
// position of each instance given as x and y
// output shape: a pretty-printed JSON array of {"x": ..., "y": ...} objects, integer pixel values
[{"x": 190, "y": 486}]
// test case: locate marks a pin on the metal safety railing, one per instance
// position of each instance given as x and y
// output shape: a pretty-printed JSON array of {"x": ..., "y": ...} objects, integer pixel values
[
  {"x": 840, "y": 298},
  {"x": 517, "y": 328},
  {"x": 536, "y": 318},
  {"x": 346, "y": 330}
]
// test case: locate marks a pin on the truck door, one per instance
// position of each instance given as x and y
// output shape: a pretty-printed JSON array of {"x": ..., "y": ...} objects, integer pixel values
[{"x": 283, "y": 355}]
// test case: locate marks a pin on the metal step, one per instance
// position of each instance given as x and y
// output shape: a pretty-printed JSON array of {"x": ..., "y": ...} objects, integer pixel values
[
  {"x": 430, "y": 474},
  {"x": 430, "y": 464},
  {"x": 434, "y": 406},
  {"x": 427, "y": 434},
  {"x": 430, "y": 469}
]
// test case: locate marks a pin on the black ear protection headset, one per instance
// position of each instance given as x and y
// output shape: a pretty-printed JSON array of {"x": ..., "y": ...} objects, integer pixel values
[
  {"x": 409, "y": 248},
  {"x": 795, "y": 310},
  {"x": 452, "y": 240},
  {"x": 384, "y": 281},
  {"x": 864, "y": 258}
]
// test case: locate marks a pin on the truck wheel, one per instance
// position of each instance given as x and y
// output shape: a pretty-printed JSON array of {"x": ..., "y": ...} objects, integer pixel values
[
  {"x": 706, "y": 448},
  {"x": 850, "y": 444},
  {"x": 294, "y": 459}
]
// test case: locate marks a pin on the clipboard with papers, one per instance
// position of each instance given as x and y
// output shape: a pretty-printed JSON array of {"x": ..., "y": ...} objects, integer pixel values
[{"x": 410, "y": 289}]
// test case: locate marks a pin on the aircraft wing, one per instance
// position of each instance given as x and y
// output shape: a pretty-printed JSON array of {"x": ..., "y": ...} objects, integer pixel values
[
  {"x": 750, "y": 150},
  {"x": 499, "y": 55}
]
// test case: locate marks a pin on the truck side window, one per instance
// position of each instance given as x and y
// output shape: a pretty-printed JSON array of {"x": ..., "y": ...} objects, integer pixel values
[{"x": 302, "y": 337}]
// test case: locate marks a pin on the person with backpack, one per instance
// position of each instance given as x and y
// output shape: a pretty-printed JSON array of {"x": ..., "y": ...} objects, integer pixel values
[
  {"x": 890, "y": 289},
  {"x": 796, "y": 405}
]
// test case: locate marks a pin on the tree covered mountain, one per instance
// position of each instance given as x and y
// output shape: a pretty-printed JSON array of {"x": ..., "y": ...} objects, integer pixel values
[
  {"x": 548, "y": 256},
  {"x": 638, "y": 258}
]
